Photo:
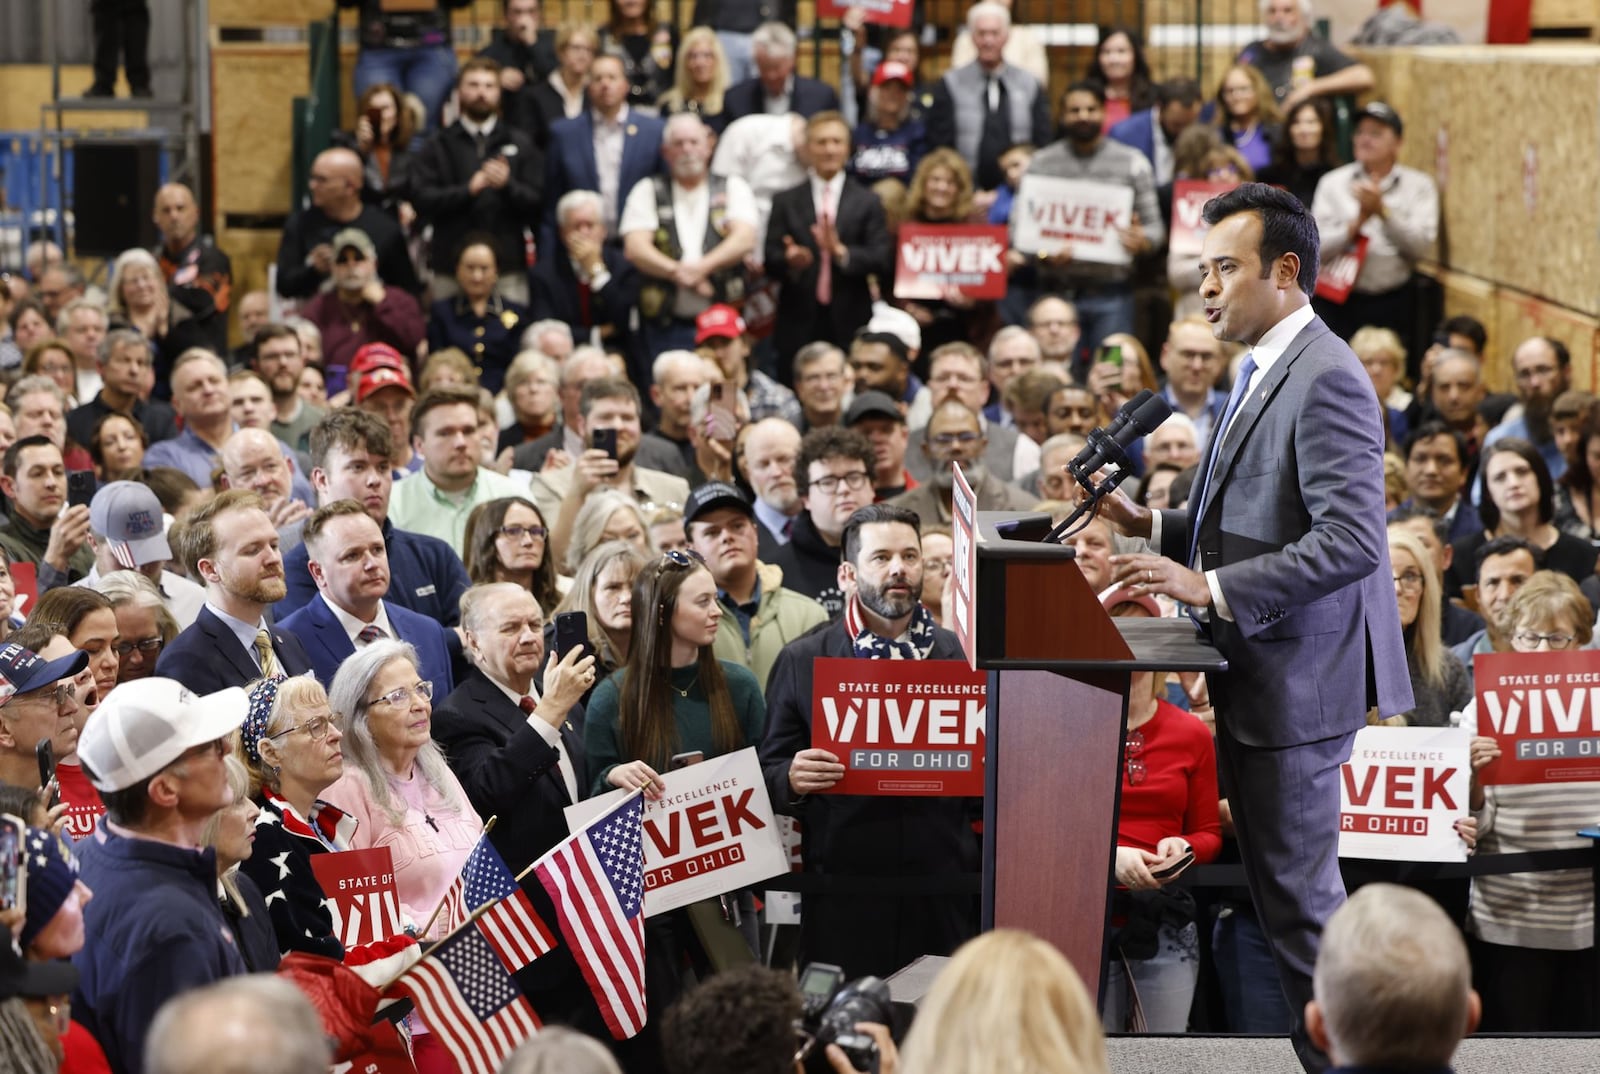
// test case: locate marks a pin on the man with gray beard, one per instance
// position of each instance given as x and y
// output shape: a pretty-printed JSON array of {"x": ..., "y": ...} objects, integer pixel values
[
  {"x": 688, "y": 236},
  {"x": 954, "y": 435}
]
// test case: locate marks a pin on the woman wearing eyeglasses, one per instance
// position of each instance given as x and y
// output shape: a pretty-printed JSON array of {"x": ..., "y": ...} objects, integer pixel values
[
  {"x": 292, "y": 744},
  {"x": 507, "y": 541},
  {"x": 144, "y": 623},
  {"x": 402, "y": 795},
  {"x": 1439, "y": 682},
  {"x": 1532, "y": 934},
  {"x": 672, "y": 698}
]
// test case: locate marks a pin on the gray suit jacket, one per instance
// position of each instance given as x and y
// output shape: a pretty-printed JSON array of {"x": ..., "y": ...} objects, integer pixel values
[{"x": 1293, "y": 524}]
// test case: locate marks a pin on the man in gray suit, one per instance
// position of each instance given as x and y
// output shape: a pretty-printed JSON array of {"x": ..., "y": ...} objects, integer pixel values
[{"x": 1282, "y": 557}]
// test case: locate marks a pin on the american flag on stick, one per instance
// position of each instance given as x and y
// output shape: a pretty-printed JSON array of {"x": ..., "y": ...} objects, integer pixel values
[
  {"x": 467, "y": 998},
  {"x": 512, "y": 926},
  {"x": 596, "y": 878}
]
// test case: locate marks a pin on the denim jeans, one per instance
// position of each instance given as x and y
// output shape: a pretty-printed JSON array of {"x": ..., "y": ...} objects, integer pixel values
[
  {"x": 1251, "y": 994},
  {"x": 1165, "y": 983},
  {"x": 429, "y": 72},
  {"x": 741, "y": 58},
  {"x": 1104, "y": 313}
]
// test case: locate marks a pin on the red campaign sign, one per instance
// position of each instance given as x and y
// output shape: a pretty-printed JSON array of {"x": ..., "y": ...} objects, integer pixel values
[
  {"x": 1189, "y": 196},
  {"x": 360, "y": 885},
  {"x": 25, "y": 580},
  {"x": 936, "y": 260},
  {"x": 1338, "y": 275},
  {"x": 1544, "y": 711},
  {"x": 878, "y": 12},
  {"x": 901, "y": 727}
]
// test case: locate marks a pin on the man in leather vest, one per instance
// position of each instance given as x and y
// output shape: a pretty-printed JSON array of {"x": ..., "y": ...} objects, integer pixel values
[{"x": 688, "y": 236}]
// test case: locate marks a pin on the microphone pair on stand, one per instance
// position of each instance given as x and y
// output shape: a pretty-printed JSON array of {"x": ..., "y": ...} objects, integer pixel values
[{"x": 1108, "y": 446}]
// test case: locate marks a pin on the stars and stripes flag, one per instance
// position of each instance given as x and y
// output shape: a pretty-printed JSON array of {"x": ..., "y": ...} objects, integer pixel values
[
  {"x": 513, "y": 928},
  {"x": 596, "y": 878},
  {"x": 467, "y": 998}
]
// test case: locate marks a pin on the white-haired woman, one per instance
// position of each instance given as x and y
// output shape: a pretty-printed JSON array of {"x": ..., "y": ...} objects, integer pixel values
[
  {"x": 172, "y": 319},
  {"x": 607, "y": 515}
]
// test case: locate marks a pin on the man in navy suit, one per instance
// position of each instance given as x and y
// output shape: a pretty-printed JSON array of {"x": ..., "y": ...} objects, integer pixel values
[
  {"x": 608, "y": 148},
  {"x": 776, "y": 89},
  {"x": 350, "y": 565},
  {"x": 1282, "y": 554},
  {"x": 230, "y": 544},
  {"x": 1155, "y": 131},
  {"x": 586, "y": 281},
  {"x": 511, "y": 739},
  {"x": 822, "y": 259}
]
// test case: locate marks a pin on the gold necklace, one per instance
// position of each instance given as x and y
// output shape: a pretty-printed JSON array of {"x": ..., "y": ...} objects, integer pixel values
[{"x": 685, "y": 691}]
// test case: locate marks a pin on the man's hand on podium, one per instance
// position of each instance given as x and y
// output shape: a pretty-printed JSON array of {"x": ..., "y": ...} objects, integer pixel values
[{"x": 1152, "y": 574}]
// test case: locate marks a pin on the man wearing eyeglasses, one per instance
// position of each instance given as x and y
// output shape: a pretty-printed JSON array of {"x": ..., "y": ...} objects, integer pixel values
[
  {"x": 155, "y": 751},
  {"x": 127, "y": 532},
  {"x": 833, "y": 474},
  {"x": 349, "y": 563},
  {"x": 231, "y": 544},
  {"x": 306, "y": 252},
  {"x": 42, "y": 705},
  {"x": 961, "y": 371},
  {"x": 954, "y": 437}
]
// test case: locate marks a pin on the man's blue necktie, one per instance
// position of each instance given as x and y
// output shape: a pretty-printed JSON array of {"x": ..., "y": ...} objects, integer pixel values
[{"x": 1241, "y": 388}]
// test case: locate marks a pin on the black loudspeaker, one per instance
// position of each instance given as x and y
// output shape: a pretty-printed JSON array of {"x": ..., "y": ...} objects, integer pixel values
[{"x": 113, "y": 196}]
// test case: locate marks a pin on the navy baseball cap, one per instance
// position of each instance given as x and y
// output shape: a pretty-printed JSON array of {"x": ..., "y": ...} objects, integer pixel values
[{"x": 712, "y": 495}]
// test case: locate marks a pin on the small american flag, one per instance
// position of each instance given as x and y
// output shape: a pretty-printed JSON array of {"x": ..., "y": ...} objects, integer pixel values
[
  {"x": 467, "y": 998},
  {"x": 596, "y": 877},
  {"x": 513, "y": 928}
]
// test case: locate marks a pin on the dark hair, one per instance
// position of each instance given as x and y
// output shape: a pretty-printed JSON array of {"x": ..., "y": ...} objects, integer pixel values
[
  {"x": 1410, "y": 512},
  {"x": 477, "y": 63},
  {"x": 1142, "y": 497},
  {"x": 741, "y": 1021},
  {"x": 170, "y": 485},
  {"x": 61, "y": 610},
  {"x": 1577, "y": 477},
  {"x": 21, "y": 802},
  {"x": 1327, "y": 149},
  {"x": 1287, "y": 227},
  {"x": 349, "y": 430},
  {"x": 434, "y": 398},
  {"x": 483, "y": 558},
  {"x": 1141, "y": 91},
  {"x": 30, "y": 303},
  {"x": 18, "y": 447},
  {"x": 873, "y": 514},
  {"x": 896, "y": 345},
  {"x": 95, "y": 452},
  {"x": 1096, "y": 90},
  {"x": 404, "y": 130},
  {"x": 1504, "y": 546},
  {"x": 1180, "y": 90},
  {"x": 473, "y": 238},
  {"x": 1183, "y": 485},
  {"x": 648, "y": 726},
  {"x": 1471, "y": 327},
  {"x": 127, "y": 807},
  {"x": 1559, "y": 349},
  {"x": 601, "y": 388},
  {"x": 275, "y": 330},
  {"x": 1428, "y": 430},
  {"x": 830, "y": 442},
  {"x": 1513, "y": 445}
]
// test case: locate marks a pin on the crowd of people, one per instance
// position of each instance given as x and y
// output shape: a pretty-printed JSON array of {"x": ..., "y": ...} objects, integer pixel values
[{"x": 603, "y": 320}]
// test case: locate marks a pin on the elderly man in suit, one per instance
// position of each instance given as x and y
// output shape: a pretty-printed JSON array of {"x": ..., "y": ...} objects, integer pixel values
[
  {"x": 588, "y": 283},
  {"x": 1281, "y": 553},
  {"x": 512, "y": 735},
  {"x": 349, "y": 563},
  {"x": 608, "y": 148},
  {"x": 824, "y": 238},
  {"x": 230, "y": 544},
  {"x": 776, "y": 89}
]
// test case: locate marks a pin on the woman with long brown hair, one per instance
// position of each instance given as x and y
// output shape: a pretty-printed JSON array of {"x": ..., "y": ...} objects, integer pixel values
[
  {"x": 672, "y": 703},
  {"x": 506, "y": 542}
]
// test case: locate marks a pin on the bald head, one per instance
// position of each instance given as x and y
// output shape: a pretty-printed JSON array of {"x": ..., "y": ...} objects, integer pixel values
[
  {"x": 335, "y": 179},
  {"x": 176, "y": 215},
  {"x": 260, "y": 1024},
  {"x": 253, "y": 459}
]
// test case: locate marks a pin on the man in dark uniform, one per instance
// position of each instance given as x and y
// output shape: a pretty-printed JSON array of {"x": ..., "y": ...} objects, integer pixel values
[{"x": 873, "y": 836}]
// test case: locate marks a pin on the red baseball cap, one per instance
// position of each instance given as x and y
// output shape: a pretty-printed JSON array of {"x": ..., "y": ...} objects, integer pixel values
[
  {"x": 370, "y": 381},
  {"x": 379, "y": 356},
  {"x": 892, "y": 71},
  {"x": 718, "y": 322}
]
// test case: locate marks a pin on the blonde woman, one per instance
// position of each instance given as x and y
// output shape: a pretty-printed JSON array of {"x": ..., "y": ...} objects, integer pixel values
[
  {"x": 1007, "y": 1001},
  {"x": 607, "y": 515},
  {"x": 702, "y": 78},
  {"x": 1439, "y": 682}
]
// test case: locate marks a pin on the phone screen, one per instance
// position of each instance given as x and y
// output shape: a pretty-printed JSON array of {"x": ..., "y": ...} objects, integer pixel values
[{"x": 13, "y": 873}]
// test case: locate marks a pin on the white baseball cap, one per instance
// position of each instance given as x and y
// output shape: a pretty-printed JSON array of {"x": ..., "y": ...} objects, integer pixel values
[{"x": 143, "y": 726}]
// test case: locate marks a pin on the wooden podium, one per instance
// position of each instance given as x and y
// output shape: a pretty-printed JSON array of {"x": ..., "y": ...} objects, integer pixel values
[{"x": 1059, "y": 670}]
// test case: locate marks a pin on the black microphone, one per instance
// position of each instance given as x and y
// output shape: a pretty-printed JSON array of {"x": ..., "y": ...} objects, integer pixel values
[{"x": 1140, "y": 416}]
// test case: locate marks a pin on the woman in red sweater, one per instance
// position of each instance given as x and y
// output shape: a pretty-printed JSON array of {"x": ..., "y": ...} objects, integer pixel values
[{"x": 1167, "y": 819}]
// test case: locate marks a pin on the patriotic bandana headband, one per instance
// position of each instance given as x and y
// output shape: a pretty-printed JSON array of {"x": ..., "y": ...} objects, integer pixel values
[{"x": 262, "y": 699}]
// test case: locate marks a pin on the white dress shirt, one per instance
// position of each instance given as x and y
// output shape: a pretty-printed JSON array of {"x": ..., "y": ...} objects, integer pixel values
[
  {"x": 608, "y": 141},
  {"x": 353, "y": 626},
  {"x": 551, "y": 735}
]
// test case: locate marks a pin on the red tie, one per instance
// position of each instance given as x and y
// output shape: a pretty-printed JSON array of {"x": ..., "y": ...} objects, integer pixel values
[
  {"x": 528, "y": 704},
  {"x": 825, "y": 272},
  {"x": 583, "y": 304}
]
